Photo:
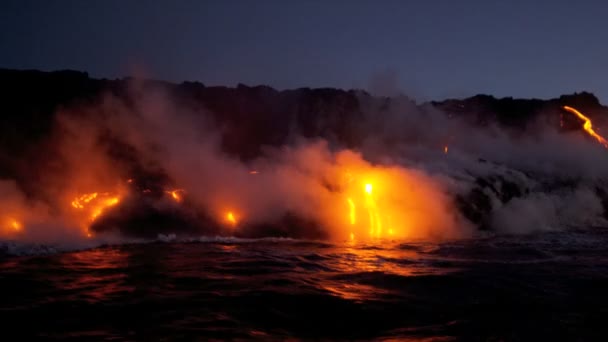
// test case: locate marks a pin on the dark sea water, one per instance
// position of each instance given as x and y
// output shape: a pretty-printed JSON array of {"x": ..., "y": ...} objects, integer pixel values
[{"x": 546, "y": 287}]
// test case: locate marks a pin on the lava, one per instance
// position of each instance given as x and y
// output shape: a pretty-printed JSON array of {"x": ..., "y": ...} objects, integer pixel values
[
  {"x": 12, "y": 225},
  {"x": 231, "y": 219},
  {"x": 176, "y": 194},
  {"x": 375, "y": 220},
  {"x": 352, "y": 212},
  {"x": 81, "y": 201},
  {"x": 587, "y": 126},
  {"x": 99, "y": 209},
  {"x": 375, "y": 202},
  {"x": 15, "y": 225},
  {"x": 372, "y": 199},
  {"x": 93, "y": 205}
]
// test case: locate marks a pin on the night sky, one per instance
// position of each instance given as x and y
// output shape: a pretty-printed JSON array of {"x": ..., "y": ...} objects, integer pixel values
[{"x": 427, "y": 49}]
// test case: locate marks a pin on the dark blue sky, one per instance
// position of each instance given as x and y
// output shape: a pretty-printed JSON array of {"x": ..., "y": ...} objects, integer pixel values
[{"x": 430, "y": 49}]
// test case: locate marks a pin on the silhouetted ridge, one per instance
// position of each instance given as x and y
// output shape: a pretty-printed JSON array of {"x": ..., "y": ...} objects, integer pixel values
[{"x": 250, "y": 118}]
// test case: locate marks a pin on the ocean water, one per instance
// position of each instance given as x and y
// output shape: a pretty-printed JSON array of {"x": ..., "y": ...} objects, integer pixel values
[{"x": 544, "y": 287}]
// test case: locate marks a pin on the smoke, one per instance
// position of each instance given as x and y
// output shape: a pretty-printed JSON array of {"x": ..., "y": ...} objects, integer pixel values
[
  {"x": 415, "y": 173},
  {"x": 307, "y": 179},
  {"x": 31, "y": 221},
  {"x": 549, "y": 212}
]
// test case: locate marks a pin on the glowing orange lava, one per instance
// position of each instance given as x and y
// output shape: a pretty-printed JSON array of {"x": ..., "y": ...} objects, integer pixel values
[
  {"x": 352, "y": 212},
  {"x": 103, "y": 205},
  {"x": 10, "y": 226},
  {"x": 176, "y": 194},
  {"x": 15, "y": 225},
  {"x": 445, "y": 149},
  {"x": 231, "y": 218},
  {"x": 375, "y": 202},
  {"x": 92, "y": 206},
  {"x": 81, "y": 201},
  {"x": 587, "y": 126},
  {"x": 365, "y": 197}
]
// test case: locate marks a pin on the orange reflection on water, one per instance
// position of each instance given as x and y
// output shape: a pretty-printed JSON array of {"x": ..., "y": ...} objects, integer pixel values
[
  {"x": 375, "y": 258},
  {"x": 359, "y": 263},
  {"x": 354, "y": 291},
  {"x": 101, "y": 273}
]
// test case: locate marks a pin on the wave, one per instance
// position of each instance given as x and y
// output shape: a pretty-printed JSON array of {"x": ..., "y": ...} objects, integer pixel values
[
  {"x": 484, "y": 248},
  {"x": 21, "y": 248}
]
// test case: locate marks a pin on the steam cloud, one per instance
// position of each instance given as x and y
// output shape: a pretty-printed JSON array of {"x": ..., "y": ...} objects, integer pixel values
[{"x": 555, "y": 175}]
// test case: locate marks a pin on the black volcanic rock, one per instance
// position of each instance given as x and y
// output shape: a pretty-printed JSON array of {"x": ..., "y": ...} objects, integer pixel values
[
  {"x": 518, "y": 113},
  {"x": 476, "y": 205},
  {"x": 249, "y": 118},
  {"x": 151, "y": 213},
  {"x": 289, "y": 225}
]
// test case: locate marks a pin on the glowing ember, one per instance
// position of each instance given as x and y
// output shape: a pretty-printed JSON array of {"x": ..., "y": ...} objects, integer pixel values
[
  {"x": 253, "y": 172},
  {"x": 445, "y": 149},
  {"x": 587, "y": 126}
]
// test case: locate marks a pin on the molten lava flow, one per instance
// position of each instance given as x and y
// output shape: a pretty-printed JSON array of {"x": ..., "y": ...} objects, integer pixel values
[
  {"x": 81, "y": 201},
  {"x": 103, "y": 205},
  {"x": 95, "y": 203},
  {"x": 378, "y": 202},
  {"x": 92, "y": 206},
  {"x": 587, "y": 126},
  {"x": 366, "y": 196},
  {"x": 375, "y": 221},
  {"x": 352, "y": 213}
]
